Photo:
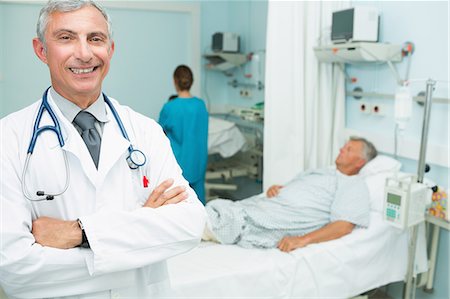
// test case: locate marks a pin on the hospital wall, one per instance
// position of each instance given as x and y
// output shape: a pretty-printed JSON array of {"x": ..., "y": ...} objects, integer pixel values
[
  {"x": 426, "y": 25},
  {"x": 248, "y": 19},
  {"x": 142, "y": 65},
  {"x": 145, "y": 55}
]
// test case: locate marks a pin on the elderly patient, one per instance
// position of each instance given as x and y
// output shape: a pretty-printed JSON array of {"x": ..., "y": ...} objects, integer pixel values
[{"x": 316, "y": 206}]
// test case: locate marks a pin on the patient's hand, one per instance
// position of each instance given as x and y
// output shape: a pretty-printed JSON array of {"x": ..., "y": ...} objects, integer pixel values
[
  {"x": 292, "y": 242},
  {"x": 273, "y": 191},
  {"x": 160, "y": 196}
]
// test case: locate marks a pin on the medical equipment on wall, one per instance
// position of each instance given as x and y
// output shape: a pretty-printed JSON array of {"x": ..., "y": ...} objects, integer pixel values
[
  {"x": 250, "y": 114},
  {"x": 226, "y": 42},
  {"x": 405, "y": 201},
  {"x": 135, "y": 159},
  {"x": 355, "y": 24}
]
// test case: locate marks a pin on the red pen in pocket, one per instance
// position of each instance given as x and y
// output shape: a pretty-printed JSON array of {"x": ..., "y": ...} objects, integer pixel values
[{"x": 145, "y": 181}]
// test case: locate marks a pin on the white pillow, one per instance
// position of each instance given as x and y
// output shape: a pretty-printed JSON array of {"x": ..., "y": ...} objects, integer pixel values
[
  {"x": 379, "y": 164},
  {"x": 375, "y": 173}
]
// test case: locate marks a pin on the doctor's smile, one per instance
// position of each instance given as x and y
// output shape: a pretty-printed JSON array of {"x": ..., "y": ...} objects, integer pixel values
[{"x": 82, "y": 71}]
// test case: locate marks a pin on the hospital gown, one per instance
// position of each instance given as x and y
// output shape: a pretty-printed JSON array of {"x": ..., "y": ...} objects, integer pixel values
[{"x": 308, "y": 202}]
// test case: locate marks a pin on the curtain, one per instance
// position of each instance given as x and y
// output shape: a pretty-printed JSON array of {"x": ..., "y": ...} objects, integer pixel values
[{"x": 304, "y": 99}]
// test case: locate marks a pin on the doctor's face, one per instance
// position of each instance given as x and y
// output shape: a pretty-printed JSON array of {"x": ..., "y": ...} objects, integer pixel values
[{"x": 78, "y": 53}]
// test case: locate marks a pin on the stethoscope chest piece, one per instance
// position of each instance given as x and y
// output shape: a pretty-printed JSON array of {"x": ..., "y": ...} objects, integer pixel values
[{"x": 136, "y": 158}]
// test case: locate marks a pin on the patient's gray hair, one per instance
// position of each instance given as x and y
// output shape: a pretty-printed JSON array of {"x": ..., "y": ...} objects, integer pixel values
[
  {"x": 66, "y": 6},
  {"x": 369, "y": 150}
]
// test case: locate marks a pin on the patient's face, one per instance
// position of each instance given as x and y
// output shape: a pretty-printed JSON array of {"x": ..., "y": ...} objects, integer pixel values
[{"x": 350, "y": 158}]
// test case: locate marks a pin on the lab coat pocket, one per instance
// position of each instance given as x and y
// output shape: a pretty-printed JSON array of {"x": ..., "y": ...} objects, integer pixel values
[{"x": 140, "y": 187}]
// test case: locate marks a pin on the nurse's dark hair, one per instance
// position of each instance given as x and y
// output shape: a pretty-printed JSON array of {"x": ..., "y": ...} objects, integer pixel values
[
  {"x": 66, "y": 6},
  {"x": 369, "y": 150},
  {"x": 183, "y": 77}
]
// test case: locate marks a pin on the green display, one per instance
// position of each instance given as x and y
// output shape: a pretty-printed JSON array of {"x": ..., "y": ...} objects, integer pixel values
[{"x": 394, "y": 199}]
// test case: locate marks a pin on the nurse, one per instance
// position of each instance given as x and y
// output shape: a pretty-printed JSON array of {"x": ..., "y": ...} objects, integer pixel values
[
  {"x": 185, "y": 121},
  {"x": 108, "y": 226}
]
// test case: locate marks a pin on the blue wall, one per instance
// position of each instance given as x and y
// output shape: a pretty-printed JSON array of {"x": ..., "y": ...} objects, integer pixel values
[
  {"x": 248, "y": 19},
  {"x": 145, "y": 55},
  {"x": 141, "y": 68},
  {"x": 426, "y": 25}
]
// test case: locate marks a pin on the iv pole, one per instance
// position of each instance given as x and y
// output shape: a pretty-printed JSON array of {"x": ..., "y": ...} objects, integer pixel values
[{"x": 410, "y": 289}]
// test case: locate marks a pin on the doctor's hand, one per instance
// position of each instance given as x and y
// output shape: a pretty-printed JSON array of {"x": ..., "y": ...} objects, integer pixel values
[
  {"x": 290, "y": 243},
  {"x": 160, "y": 196},
  {"x": 56, "y": 233},
  {"x": 273, "y": 191}
]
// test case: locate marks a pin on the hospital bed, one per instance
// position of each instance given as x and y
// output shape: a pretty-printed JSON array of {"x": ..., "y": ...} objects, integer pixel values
[
  {"x": 234, "y": 149},
  {"x": 342, "y": 268}
]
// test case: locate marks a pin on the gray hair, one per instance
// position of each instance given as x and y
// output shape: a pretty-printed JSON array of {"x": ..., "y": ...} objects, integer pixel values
[
  {"x": 369, "y": 150},
  {"x": 66, "y": 6}
]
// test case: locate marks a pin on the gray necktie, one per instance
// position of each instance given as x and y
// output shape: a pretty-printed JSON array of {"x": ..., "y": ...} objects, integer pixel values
[{"x": 90, "y": 136}]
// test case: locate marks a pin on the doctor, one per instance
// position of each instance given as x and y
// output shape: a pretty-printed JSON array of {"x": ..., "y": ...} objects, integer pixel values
[{"x": 80, "y": 220}]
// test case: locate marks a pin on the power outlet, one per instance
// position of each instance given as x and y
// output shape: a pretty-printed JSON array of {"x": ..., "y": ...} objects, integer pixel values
[
  {"x": 365, "y": 108},
  {"x": 245, "y": 93},
  {"x": 378, "y": 109}
]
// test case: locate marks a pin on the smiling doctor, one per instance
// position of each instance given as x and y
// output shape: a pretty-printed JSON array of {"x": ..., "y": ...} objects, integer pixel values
[{"x": 92, "y": 199}]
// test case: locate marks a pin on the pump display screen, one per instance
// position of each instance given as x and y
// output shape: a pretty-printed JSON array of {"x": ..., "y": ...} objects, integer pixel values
[{"x": 394, "y": 199}]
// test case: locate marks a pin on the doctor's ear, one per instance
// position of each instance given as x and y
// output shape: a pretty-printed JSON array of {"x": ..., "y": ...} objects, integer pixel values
[{"x": 39, "y": 49}]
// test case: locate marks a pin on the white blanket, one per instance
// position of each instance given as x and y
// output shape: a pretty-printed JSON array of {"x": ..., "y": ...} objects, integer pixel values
[{"x": 361, "y": 261}]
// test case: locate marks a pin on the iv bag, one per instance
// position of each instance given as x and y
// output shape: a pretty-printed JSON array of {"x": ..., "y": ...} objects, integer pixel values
[
  {"x": 255, "y": 65},
  {"x": 403, "y": 106}
]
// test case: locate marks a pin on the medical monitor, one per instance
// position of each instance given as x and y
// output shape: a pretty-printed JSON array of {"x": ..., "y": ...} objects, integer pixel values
[
  {"x": 357, "y": 24},
  {"x": 342, "y": 25}
]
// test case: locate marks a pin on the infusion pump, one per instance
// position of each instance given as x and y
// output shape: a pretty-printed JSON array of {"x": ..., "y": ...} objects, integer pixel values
[{"x": 405, "y": 201}]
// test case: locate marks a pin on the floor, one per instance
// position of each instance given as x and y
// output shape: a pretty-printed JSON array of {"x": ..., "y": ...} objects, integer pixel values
[{"x": 378, "y": 294}]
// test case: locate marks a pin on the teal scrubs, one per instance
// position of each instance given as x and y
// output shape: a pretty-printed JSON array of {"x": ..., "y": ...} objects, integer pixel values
[{"x": 185, "y": 122}]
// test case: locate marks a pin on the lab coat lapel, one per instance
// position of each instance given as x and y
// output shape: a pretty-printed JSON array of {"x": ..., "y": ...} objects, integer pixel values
[
  {"x": 113, "y": 147},
  {"x": 74, "y": 143}
]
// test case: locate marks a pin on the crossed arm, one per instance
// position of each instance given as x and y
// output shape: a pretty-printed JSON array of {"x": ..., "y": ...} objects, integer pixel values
[
  {"x": 331, "y": 231},
  {"x": 56, "y": 233}
]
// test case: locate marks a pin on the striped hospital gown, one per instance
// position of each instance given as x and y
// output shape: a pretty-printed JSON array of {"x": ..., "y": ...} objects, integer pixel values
[{"x": 308, "y": 202}]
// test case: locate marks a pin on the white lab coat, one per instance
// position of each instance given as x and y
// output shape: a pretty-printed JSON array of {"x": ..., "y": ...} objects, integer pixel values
[{"x": 129, "y": 244}]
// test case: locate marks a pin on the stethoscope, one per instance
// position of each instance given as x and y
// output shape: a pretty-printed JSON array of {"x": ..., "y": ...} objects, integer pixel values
[{"x": 135, "y": 159}]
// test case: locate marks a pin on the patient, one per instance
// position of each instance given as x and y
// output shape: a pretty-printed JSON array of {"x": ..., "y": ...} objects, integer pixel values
[{"x": 316, "y": 206}]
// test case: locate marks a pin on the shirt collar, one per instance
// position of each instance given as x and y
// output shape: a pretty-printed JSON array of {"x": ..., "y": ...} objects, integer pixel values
[{"x": 70, "y": 110}]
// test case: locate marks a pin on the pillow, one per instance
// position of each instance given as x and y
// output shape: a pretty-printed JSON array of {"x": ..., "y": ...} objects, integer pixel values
[
  {"x": 375, "y": 173},
  {"x": 379, "y": 164}
]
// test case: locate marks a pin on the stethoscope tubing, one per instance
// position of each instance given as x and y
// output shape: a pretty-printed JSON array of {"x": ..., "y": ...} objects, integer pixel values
[
  {"x": 56, "y": 128},
  {"x": 36, "y": 130}
]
